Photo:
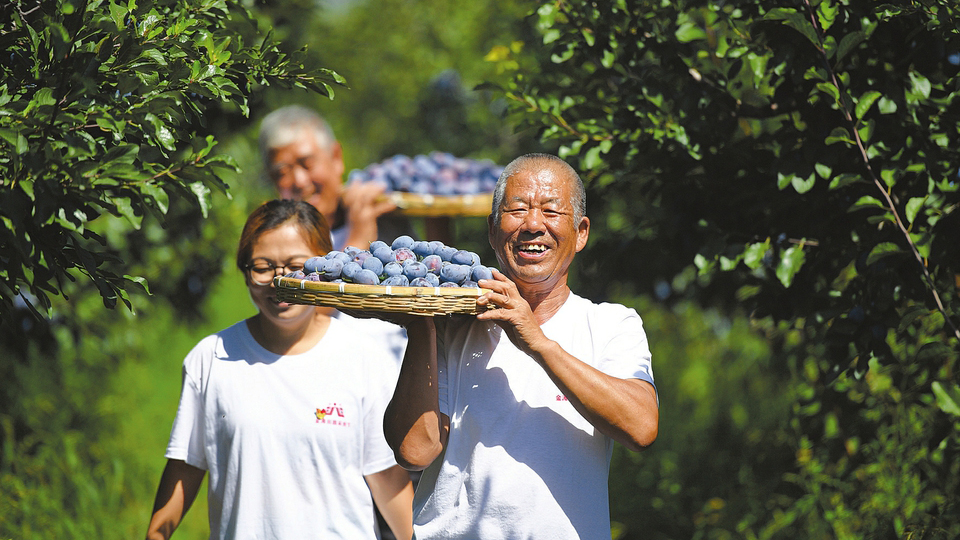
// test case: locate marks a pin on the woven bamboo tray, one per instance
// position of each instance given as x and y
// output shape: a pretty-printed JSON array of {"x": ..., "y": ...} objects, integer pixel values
[
  {"x": 427, "y": 205},
  {"x": 425, "y": 301}
]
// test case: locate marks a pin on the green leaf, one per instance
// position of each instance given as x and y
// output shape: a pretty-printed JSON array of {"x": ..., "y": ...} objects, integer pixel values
[
  {"x": 830, "y": 89},
  {"x": 803, "y": 185},
  {"x": 753, "y": 254},
  {"x": 845, "y": 179},
  {"x": 882, "y": 250},
  {"x": 823, "y": 170},
  {"x": 909, "y": 316},
  {"x": 796, "y": 20},
  {"x": 866, "y": 202},
  {"x": 158, "y": 195},
  {"x": 865, "y": 102},
  {"x": 887, "y": 106},
  {"x": 592, "y": 159},
  {"x": 921, "y": 85},
  {"x": 889, "y": 177},
  {"x": 790, "y": 263},
  {"x": 689, "y": 31},
  {"x": 848, "y": 43},
  {"x": 913, "y": 207},
  {"x": 948, "y": 398},
  {"x": 142, "y": 281},
  {"x": 202, "y": 193},
  {"x": 118, "y": 13},
  {"x": 839, "y": 134},
  {"x": 783, "y": 180}
]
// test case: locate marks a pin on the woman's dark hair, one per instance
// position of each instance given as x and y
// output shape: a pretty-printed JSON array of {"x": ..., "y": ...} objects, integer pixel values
[{"x": 273, "y": 214}]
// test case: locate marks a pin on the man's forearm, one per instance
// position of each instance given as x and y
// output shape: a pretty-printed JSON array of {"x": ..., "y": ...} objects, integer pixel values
[
  {"x": 624, "y": 409},
  {"x": 412, "y": 422}
]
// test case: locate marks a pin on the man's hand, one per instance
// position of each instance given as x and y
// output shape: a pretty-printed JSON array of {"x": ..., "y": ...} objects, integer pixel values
[
  {"x": 364, "y": 203},
  {"x": 511, "y": 312}
]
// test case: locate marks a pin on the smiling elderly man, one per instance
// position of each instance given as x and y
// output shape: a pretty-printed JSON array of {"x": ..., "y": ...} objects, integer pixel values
[{"x": 513, "y": 413}]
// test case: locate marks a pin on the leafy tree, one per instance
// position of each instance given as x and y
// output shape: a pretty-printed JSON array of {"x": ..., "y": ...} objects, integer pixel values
[
  {"x": 110, "y": 113},
  {"x": 104, "y": 113},
  {"x": 796, "y": 160}
]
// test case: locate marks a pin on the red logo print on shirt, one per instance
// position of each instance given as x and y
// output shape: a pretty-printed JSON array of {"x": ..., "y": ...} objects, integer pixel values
[{"x": 332, "y": 414}]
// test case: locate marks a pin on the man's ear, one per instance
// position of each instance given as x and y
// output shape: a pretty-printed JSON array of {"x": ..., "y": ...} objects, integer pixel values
[
  {"x": 583, "y": 233},
  {"x": 490, "y": 226},
  {"x": 336, "y": 153}
]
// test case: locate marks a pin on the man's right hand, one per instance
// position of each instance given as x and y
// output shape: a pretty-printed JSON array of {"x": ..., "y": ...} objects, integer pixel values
[{"x": 364, "y": 203}]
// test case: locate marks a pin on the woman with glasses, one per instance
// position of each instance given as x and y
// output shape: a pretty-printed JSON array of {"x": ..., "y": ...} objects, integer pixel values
[{"x": 284, "y": 410}]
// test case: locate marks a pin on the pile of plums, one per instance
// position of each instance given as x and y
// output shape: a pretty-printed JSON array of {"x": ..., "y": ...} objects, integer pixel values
[
  {"x": 436, "y": 173},
  {"x": 403, "y": 263}
]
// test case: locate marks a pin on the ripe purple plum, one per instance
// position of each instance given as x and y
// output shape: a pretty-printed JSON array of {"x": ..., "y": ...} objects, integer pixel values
[
  {"x": 396, "y": 281},
  {"x": 373, "y": 264},
  {"x": 384, "y": 253},
  {"x": 422, "y": 249},
  {"x": 455, "y": 273},
  {"x": 403, "y": 254},
  {"x": 339, "y": 255},
  {"x": 350, "y": 270},
  {"x": 446, "y": 253},
  {"x": 331, "y": 269},
  {"x": 415, "y": 270},
  {"x": 366, "y": 277},
  {"x": 479, "y": 272},
  {"x": 433, "y": 263},
  {"x": 403, "y": 241},
  {"x": 392, "y": 268},
  {"x": 313, "y": 264},
  {"x": 462, "y": 256}
]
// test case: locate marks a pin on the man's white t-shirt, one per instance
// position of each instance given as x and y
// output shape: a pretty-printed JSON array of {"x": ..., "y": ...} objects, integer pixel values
[
  {"x": 520, "y": 461},
  {"x": 288, "y": 439}
]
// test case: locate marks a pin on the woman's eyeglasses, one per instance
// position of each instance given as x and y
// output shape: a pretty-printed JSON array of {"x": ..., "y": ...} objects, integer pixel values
[{"x": 263, "y": 271}]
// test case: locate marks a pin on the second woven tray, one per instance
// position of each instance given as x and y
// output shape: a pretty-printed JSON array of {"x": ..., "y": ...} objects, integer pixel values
[
  {"x": 427, "y": 205},
  {"x": 424, "y": 301}
]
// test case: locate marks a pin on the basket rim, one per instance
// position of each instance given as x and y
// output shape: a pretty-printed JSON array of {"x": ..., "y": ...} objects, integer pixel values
[
  {"x": 428, "y": 204},
  {"x": 376, "y": 290}
]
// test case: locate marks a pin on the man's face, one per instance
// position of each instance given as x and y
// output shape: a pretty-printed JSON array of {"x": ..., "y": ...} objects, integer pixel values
[
  {"x": 537, "y": 237},
  {"x": 302, "y": 170}
]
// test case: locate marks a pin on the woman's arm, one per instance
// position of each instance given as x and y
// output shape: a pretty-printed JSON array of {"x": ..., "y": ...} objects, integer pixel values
[
  {"x": 393, "y": 494},
  {"x": 179, "y": 485}
]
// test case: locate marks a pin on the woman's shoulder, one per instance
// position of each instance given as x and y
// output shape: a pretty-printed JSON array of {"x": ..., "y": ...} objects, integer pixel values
[{"x": 218, "y": 344}]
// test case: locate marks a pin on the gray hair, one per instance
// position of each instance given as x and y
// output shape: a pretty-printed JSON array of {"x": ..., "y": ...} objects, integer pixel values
[
  {"x": 286, "y": 124},
  {"x": 538, "y": 160}
]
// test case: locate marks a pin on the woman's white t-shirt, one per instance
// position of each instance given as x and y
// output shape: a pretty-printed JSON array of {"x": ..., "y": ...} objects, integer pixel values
[{"x": 286, "y": 439}]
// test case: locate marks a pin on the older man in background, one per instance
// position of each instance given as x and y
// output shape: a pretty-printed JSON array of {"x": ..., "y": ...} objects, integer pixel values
[{"x": 304, "y": 161}]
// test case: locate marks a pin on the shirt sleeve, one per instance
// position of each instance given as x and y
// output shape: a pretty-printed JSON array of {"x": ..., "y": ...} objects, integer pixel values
[
  {"x": 625, "y": 352},
  {"x": 188, "y": 437}
]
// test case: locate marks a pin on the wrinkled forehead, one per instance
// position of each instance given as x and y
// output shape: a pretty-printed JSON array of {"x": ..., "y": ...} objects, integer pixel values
[{"x": 538, "y": 186}]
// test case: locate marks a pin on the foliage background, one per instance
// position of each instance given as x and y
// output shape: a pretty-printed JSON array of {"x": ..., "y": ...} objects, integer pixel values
[{"x": 807, "y": 378}]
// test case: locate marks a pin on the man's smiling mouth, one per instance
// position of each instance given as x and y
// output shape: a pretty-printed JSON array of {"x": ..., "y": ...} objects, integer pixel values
[{"x": 533, "y": 249}]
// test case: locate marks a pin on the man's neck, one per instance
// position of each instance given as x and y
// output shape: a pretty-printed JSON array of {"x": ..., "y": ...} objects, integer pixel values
[{"x": 545, "y": 304}]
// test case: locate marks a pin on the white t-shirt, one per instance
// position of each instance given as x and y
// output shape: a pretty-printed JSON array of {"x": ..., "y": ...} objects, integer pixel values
[
  {"x": 520, "y": 461},
  {"x": 287, "y": 440}
]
